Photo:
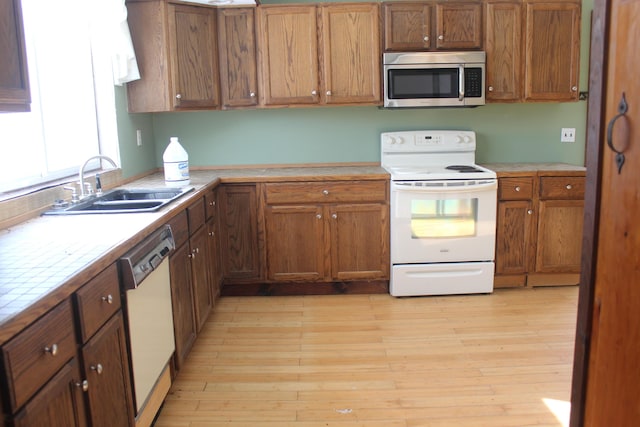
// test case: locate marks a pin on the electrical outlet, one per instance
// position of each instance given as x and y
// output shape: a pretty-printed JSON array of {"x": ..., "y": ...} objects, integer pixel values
[
  {"x": 568, "y": 135},
  {"x": 139, "y": 137}
]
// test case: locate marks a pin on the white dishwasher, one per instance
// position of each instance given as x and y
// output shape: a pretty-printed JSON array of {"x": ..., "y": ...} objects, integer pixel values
[{"x": 145, "y": 279}]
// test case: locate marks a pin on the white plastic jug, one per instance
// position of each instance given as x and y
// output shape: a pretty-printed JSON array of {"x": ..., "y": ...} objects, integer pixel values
[{"x": 176, "y": 164}]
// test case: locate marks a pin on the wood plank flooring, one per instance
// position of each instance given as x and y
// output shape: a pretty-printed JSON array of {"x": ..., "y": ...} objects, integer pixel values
[{"x": 374, "y": 360}]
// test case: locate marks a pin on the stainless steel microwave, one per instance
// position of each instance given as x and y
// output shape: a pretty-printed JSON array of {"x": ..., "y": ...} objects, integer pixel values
[{"x": 434, "y": 79}]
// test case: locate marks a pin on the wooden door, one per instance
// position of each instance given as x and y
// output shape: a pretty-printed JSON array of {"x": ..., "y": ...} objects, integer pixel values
[
  {"x": 359, "y": 241},
  {"x": 238, "y": 57},
  {"x": 552, "y": 51},
  {"x": 351, "y": 53},
  {"x": 184, "y": 321},
  {"x": 459, "y": 25},
  {"x": 503, "y": 44},
  {"x": 608, "y": 336},
  {"x": 193, "y": 56},
  {"x": 288, "y": 52},
  {"x": 295, "y": 243},
  {"x": 407, "y": 26},
  {"x": 106, "y": 367}
]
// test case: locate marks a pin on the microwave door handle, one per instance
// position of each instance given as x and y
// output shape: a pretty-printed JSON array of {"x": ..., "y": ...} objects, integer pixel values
[{"x": 461, "y": 83}]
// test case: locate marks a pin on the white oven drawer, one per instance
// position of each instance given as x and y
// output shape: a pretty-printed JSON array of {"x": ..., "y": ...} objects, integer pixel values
[{"x": 442, "y": 279}]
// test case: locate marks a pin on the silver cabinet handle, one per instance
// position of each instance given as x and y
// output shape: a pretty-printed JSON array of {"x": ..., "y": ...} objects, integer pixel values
[
  {"x": 530, "y": 211},
  {"x": 490, "y": 89},
  {"x": 334, "y": 216},
  {"x": 325, "y": 192},
  {"x": 517, "y": 188},
  {"x": 108, "y": 299},
  {"x": 97, "y": 368},
  {"x": 84, "y": 385},
  {"x": 440, "y": 37},
  {"x": 318, "y": 216},
  {"x": 212, "y": 203},
  {"x": 328, "y": 93},
  {"x": 314, "y": 92},
  {"x": 53, "y": 350},
  {"x": 574, "y": 88},
  {"x": 425, "y": 38},
  {"x": 178, "y": 96},
  {"x": 568, "y": 187},
  {"x": 252, "y": 94}
]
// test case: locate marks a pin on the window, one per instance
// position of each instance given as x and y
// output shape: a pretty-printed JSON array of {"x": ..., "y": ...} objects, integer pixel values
[{"x": 73, "y": 110}]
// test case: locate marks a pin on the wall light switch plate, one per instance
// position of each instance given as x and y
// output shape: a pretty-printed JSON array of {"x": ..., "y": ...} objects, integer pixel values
[{"x": 568, "y": 135}]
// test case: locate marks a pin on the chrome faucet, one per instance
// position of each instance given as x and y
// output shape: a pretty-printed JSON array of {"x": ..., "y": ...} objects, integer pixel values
[{"x": 85, "y": 188}]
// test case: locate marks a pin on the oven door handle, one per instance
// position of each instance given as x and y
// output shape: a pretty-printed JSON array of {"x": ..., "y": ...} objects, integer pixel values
[{"x": 485, "y": 185}]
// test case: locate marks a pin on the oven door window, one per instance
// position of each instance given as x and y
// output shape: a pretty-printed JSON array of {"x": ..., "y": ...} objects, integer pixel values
[
  {"x": 424, "y": 83},
  {"x": 444, "y": 218}
]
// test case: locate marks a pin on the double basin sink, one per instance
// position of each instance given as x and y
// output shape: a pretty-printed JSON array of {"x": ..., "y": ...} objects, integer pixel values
[{"x": 122, "y": 201}]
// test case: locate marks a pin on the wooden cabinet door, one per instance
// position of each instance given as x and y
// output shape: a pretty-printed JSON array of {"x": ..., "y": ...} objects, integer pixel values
[
  {"x": 200, "y": 261},
  {"x": 503, "y": 44},
  {"x": 407, "y": 26},
  {"x": 359, "y": 241},
  {"x": 351, "y": 53},
  {"x": 239, "y": 233},
  {"x": 184, "y": 322},
  {"x": 215, "y": 269},
  {"x": 288, "y": 54},
  {"x": 59, "y": 403},
  {"x": 238, "y": 57},
  {"x": 515, "y": 237},
  {"x": 458, "y": 25},
  {"x": 14, "y": 80},
  {"x": 193, "y": 56},
  {"x": 552, "y": 51},
  {"x": 295, "y": 243},
  {"x": 558, "y": 243},
  {"x": 106, "y": 368}
]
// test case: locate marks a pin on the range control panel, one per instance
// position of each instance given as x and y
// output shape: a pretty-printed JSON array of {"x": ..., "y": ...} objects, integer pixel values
[{"x": 428, "y": 141}]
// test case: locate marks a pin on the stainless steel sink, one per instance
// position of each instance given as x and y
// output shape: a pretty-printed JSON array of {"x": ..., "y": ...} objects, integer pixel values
[{"x": 123, "y": 200}]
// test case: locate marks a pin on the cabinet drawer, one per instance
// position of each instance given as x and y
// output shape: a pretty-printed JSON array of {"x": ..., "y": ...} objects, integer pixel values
[
  {"x": 180, "y": 228},
  {"x": 196, "y": 214},
  {"x": 562, "y": 187},
  {"x": 97, "y": 301},
  {"x": 326, "y": 192},
  {"x": 516, "y": 188},
  {"x": 38, "y": 352}
]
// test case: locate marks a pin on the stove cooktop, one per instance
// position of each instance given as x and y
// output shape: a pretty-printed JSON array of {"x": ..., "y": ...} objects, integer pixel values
[{"x": 437, "y": 172}]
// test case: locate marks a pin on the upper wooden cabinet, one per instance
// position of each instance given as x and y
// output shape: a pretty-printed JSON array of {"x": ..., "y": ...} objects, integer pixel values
[
  {"x": 533, "y": 50},
  {"x": 503, "y": 44},
  {"x": 319, "y": 55},
  {"x": 552, "y": 49},
  {"x": 411, "y": 26},
  {"x": 14, "y": 80},
  {"x": 176, "y": 50},
  {"x": 237, "y": 49}
]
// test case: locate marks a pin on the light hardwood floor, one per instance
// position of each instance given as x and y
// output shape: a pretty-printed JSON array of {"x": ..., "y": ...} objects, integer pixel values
[{"x": 374, "y": 360}]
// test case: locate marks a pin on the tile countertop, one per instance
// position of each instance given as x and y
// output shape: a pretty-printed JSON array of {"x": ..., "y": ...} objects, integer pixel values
[
  {"x": 520, "y": 169},
  {"x": 45, "y": 259}
]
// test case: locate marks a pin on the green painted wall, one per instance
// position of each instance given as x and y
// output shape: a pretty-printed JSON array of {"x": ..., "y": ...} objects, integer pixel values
[{"x": 506, "y": 132}]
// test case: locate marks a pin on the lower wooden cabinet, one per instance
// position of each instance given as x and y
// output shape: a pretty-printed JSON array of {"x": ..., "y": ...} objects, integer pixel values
[
  {"x": 539, "y": 229},
  {"x": 326, "y": 231}
]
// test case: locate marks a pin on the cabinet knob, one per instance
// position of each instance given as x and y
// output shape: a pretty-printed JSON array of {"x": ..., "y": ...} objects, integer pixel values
[
  {"x": 334, "y": 216},
  {"x": 440, "y": 37},
  {"x": 568, "y": 187},
  {"x": 517, "y": 188},
  {"x": 325, "y": 192},
  {"x": 108, "y": 299},
  {"x": 211, "y": 233},
  {"x": 212, "y": 203},
  {"x": 53, "y": 350},
  {"x": 314, "y": 92},
  {"x": 530, "y": 211},
  {"x": 328, "y": 93},
  {"x": 425, "y": 38},
  {"x": 490, "y": 88},
  {"x": 178, "y": 96},
  {"x": 318, "y": 216},
  {"x": 252, "y": 94},
  {"x": 574, "y": 88},
  {"x": 84, "y": 385},
  {"x": 97, "y": 368}
]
